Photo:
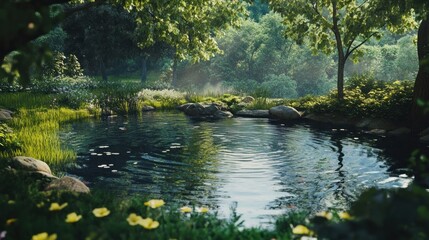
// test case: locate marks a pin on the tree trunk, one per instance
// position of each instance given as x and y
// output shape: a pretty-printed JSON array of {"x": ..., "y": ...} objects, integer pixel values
[
  {"x": 341, "y": 57},
  {"x": 340, "y": 77},
  {"x": 103, "y": 70},
  {"x": 419, "y": 119},
  {"x": 174, "y": 80},
  {"x": 144, "y": 69}
]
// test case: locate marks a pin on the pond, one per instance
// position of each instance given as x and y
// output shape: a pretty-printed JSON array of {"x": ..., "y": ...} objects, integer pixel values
[{"x": 263, "y": 167}]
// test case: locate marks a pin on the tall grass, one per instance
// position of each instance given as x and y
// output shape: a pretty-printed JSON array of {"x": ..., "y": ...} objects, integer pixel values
[
  {"x": 262, "y": 103},
  {"x": 27, "y": 100},
  {"x": 37, "y": 130}
]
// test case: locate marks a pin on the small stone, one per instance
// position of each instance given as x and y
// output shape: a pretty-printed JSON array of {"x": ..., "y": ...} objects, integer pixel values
[
  {"x": 5, "y": 115},
  {"x": 67, "y": 184},
  {"x": 30, "y": 164}
]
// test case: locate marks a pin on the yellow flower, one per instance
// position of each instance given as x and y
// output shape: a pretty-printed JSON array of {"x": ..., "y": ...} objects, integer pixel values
[
  {"x": 325, "y": 214},
  {"x": 73, "y": 217},
  {"x": 101, "y": 212},
  {"x": 44, "y": 236},
  {"x": 155, "y": 203},
  {"x": 186, "y": 209},
  {"x": 203, "y": 209},
  {"x": 344, "y": 215},
  {"x": 57, "y": 207},
  {"x": 149, "y": 223},
  {"x": 134, "y": 219},
  {"x": 10, "y": 221},
  {"x": 301, "y": 230}
]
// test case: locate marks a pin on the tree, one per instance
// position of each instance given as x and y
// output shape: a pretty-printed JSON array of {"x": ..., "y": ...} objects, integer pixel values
[
  {"x": 341, "y": 25},
  {"x": 187, "y": 25},
  {"x": 101, "y": 37},
  {"x": 420, "y": 8}
]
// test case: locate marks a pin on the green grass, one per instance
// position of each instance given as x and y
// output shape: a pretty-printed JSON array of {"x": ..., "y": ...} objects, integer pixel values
[
  {"x": 37, "y": 131},
  {"x": 16, "y": 100}
]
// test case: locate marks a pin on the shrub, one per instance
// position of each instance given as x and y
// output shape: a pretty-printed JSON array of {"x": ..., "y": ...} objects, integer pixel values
[
  {"x": 364, "y": 97},
  {"x": 280, "y": 86},
  {"x": 8, "y": 140}
]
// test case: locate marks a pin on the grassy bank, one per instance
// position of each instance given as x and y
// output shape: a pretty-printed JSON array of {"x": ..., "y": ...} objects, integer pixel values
[
  {"x": 36, "y": 124},
  {"x": 37, "y": 132}
]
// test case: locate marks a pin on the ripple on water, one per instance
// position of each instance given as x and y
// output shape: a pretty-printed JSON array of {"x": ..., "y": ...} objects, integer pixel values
[{"x": 265, "y": 168}]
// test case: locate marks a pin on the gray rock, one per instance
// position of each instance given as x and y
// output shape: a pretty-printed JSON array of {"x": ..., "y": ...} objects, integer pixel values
[
  {"x": 210, "y": 109},
  {"x": 222, "y": 114},
  {"x": 5, "y": 115},
  {"x": 67, "y": 184},
  {"x": 284, "y": 113},
  {"x": 148, "y": 108},
  {"x": 184, "y": 106},
  {"x": 424, "y": 139},
  {"x": 30, "y": 164},
  {"x": 200, "y": 110},
  {"x": 248, "y": 99},
  {"x": 399, "y": 132},
  {"x": 253, "y": 113},
  {"x": 194, "y": 109}
]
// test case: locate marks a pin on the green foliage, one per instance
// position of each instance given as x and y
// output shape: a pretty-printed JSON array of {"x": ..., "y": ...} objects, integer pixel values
[
  {"x": 365, "y": 97},
  {"x": 188, "y": 26},
  {"x": 280, "y": 86},
  {"x": 261, "y": 103},
  {"x": 27, "y": 100},
  {"x": 8, "y": 140},
  {"x": 383, "y": 214},
  {"x": 61, "y": 66},
  {"x": 22, "y": 200},
  {"x": 342, "y": 26},
  {"x": 37, "y": 131}
]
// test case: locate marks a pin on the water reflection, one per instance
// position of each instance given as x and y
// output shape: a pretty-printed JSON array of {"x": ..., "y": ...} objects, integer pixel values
[{"x": 267, "y": 168}]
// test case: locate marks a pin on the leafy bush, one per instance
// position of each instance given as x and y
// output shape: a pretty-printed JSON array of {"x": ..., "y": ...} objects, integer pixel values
[
  {"x": 382, "y": 214},
  {"x": 8, "y": 140},
  {"x": 63, "y": 84},
  {"x": 365, "y": 83},
  {"x": 280, "y": 86},
  {"x": 364, "y": 97}
]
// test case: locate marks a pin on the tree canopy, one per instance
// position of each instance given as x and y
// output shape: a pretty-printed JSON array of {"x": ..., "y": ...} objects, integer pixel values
[
  {"x": 189, "y": 26},
  {"x": 338, "y": 25}
]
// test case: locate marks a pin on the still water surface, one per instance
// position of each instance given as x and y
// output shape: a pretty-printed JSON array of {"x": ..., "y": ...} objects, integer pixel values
[{"x": 264, "y": 167}]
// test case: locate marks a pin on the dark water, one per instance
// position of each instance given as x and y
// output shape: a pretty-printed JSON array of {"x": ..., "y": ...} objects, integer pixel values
[{"x": 265, "y": 167}]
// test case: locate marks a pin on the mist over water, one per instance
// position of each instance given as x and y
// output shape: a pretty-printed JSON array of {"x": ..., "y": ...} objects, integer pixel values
[{"x": 264, "y": 167}]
